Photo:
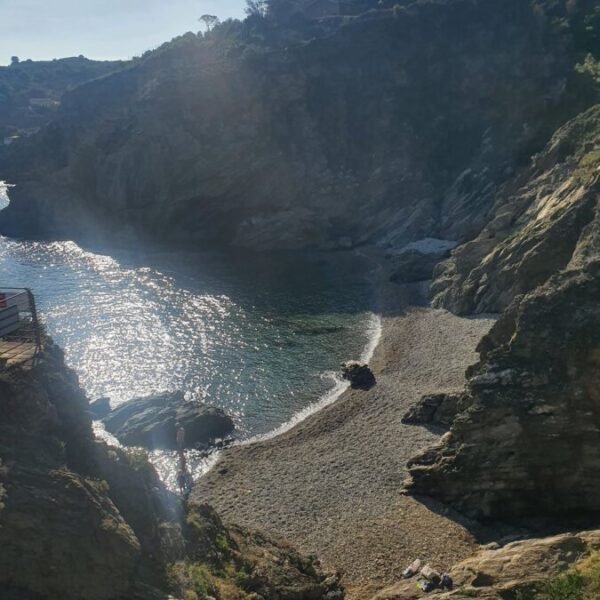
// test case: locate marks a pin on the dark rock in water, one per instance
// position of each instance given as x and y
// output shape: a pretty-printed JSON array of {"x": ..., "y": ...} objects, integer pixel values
[
  {"x": 100, "y": 408},
  {"x": 151, "y": 422},
  {"x": 360, "y": 376},
  {"x": 436, "y": 409}
]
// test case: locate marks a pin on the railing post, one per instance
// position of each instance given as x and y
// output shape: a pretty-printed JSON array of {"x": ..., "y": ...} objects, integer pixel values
[{"x": 34, "y": 319}]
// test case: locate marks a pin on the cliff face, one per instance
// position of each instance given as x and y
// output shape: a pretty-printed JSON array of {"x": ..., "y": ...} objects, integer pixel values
[
  {"x": 396, "y": 124},
  {"x": 61, "y": 534},
  {"x": 80, "y": 520},
  {"x": 540, "y": 223},
  {"x": 528, "y": 442}
]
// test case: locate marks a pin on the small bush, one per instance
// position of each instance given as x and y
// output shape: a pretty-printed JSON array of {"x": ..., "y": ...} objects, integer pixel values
[
  {"x": 569, "y": 586},
  {"x": 191, "y": 580},
  {"x": 137, "y": 459},
  {"x": 222, "y": 543}
]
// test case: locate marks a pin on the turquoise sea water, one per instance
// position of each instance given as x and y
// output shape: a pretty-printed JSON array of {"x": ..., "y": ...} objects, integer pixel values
[{"x": 261, "y": 336}]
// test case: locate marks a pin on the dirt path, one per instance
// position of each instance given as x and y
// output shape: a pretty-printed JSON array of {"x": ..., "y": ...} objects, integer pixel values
[{"x": 332, "y": 485}]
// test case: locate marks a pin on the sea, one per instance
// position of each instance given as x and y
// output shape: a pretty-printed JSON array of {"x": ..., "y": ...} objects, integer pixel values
[{"x": 260, "y": 335}]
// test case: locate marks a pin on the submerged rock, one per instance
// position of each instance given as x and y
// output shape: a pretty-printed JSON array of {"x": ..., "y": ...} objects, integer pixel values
[
  {"x": 360, "y": 376},
  {"x": 151, "y": 422}
]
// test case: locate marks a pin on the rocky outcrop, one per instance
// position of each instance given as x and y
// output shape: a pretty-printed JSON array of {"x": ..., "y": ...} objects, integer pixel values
[
  {"x": 436, "y": 409},
  {"x": 80, "y": 520},
  {"x": 505, "y": 571},
  {"x": 528, "y": 442},
  {"x": 60, "y": 532},
  {"x": 152, "y": 422},
  {"x": 539, "y": 220},
  {"x": 276, "y": 144}
]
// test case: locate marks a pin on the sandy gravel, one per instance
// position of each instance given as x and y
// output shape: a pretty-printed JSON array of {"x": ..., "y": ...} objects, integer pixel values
[{"x": 332, "y": 485}]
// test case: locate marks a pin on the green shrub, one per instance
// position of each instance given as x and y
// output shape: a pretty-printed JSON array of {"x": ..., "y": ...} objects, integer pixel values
[
  {"x": 191, "y": 580},
  {"x": 569, "y": 586},
  {"x": 137, "y": 458},
  {"x": 222, "y": 543}
]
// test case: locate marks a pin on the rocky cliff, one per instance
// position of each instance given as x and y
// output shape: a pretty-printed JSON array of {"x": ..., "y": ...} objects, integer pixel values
[
  {"x": 527, "y": 443},
  {"x": 81, "y": 520},
  {"x": 388, "y": 124}
]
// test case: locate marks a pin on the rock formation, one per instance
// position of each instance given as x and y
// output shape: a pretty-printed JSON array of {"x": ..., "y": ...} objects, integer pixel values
[
  {"x": 436, "y": 409},
  {"x": 502, "y": 572},
  {"x": 80, "y": 520},
  {"x": 540, "y": 223},
  {"x": 528, "y": 442},
  {"x": 152, "y": 422}
]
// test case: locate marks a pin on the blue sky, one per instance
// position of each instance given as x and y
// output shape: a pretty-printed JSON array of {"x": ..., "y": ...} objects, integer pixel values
[{"x": 102, "y": 29}]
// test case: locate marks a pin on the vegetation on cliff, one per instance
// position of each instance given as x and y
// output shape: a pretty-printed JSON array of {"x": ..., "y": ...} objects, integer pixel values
[
  {"x": 31, "y": 92},
  {"x": 389, "y": 124}
]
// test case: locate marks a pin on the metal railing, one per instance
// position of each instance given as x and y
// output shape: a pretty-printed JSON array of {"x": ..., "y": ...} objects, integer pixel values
[{"x": 19, "y": 317}]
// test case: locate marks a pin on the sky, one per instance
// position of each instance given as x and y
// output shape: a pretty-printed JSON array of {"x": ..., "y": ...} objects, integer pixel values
[{"x": 99, "y": 29}]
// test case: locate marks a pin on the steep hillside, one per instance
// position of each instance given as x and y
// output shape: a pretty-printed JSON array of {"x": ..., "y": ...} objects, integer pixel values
[
  {"x": 31, "y": 91},
  {"x": 391, "y": 125}
]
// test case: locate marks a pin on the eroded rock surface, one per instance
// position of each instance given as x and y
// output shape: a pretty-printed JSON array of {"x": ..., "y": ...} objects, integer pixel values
[
  {"x": 497, "y": 574},
  {"x": 528, "y": 442},
  {"x": 80, "y": 520},
  {"x": 152, "y": 422},
  {"x": 542, "y": 221},
  {"x": 436, "y": 409}
]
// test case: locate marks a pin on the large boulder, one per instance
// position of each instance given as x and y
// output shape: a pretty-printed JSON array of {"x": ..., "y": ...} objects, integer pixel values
[
  {"x": 360, "y": 376},
  {"x": 151, "y": 422}
]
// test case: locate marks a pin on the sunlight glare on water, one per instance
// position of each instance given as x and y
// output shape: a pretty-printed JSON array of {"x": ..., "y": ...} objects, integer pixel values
[{"x": 261, "y": 336}]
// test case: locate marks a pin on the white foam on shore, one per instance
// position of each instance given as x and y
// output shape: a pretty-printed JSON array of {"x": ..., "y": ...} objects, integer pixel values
[
  {"x": 166, "y": 461},
  {"x": 340, "y": 385}
]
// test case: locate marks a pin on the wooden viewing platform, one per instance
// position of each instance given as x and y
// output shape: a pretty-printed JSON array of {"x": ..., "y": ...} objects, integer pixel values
[
  {"x": 16, "y": 352},
  {"x": 20, "y": 332}
]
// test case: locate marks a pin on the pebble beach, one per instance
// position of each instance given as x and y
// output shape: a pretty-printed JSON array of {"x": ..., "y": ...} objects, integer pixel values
[{"x": 333, "y": 484}]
